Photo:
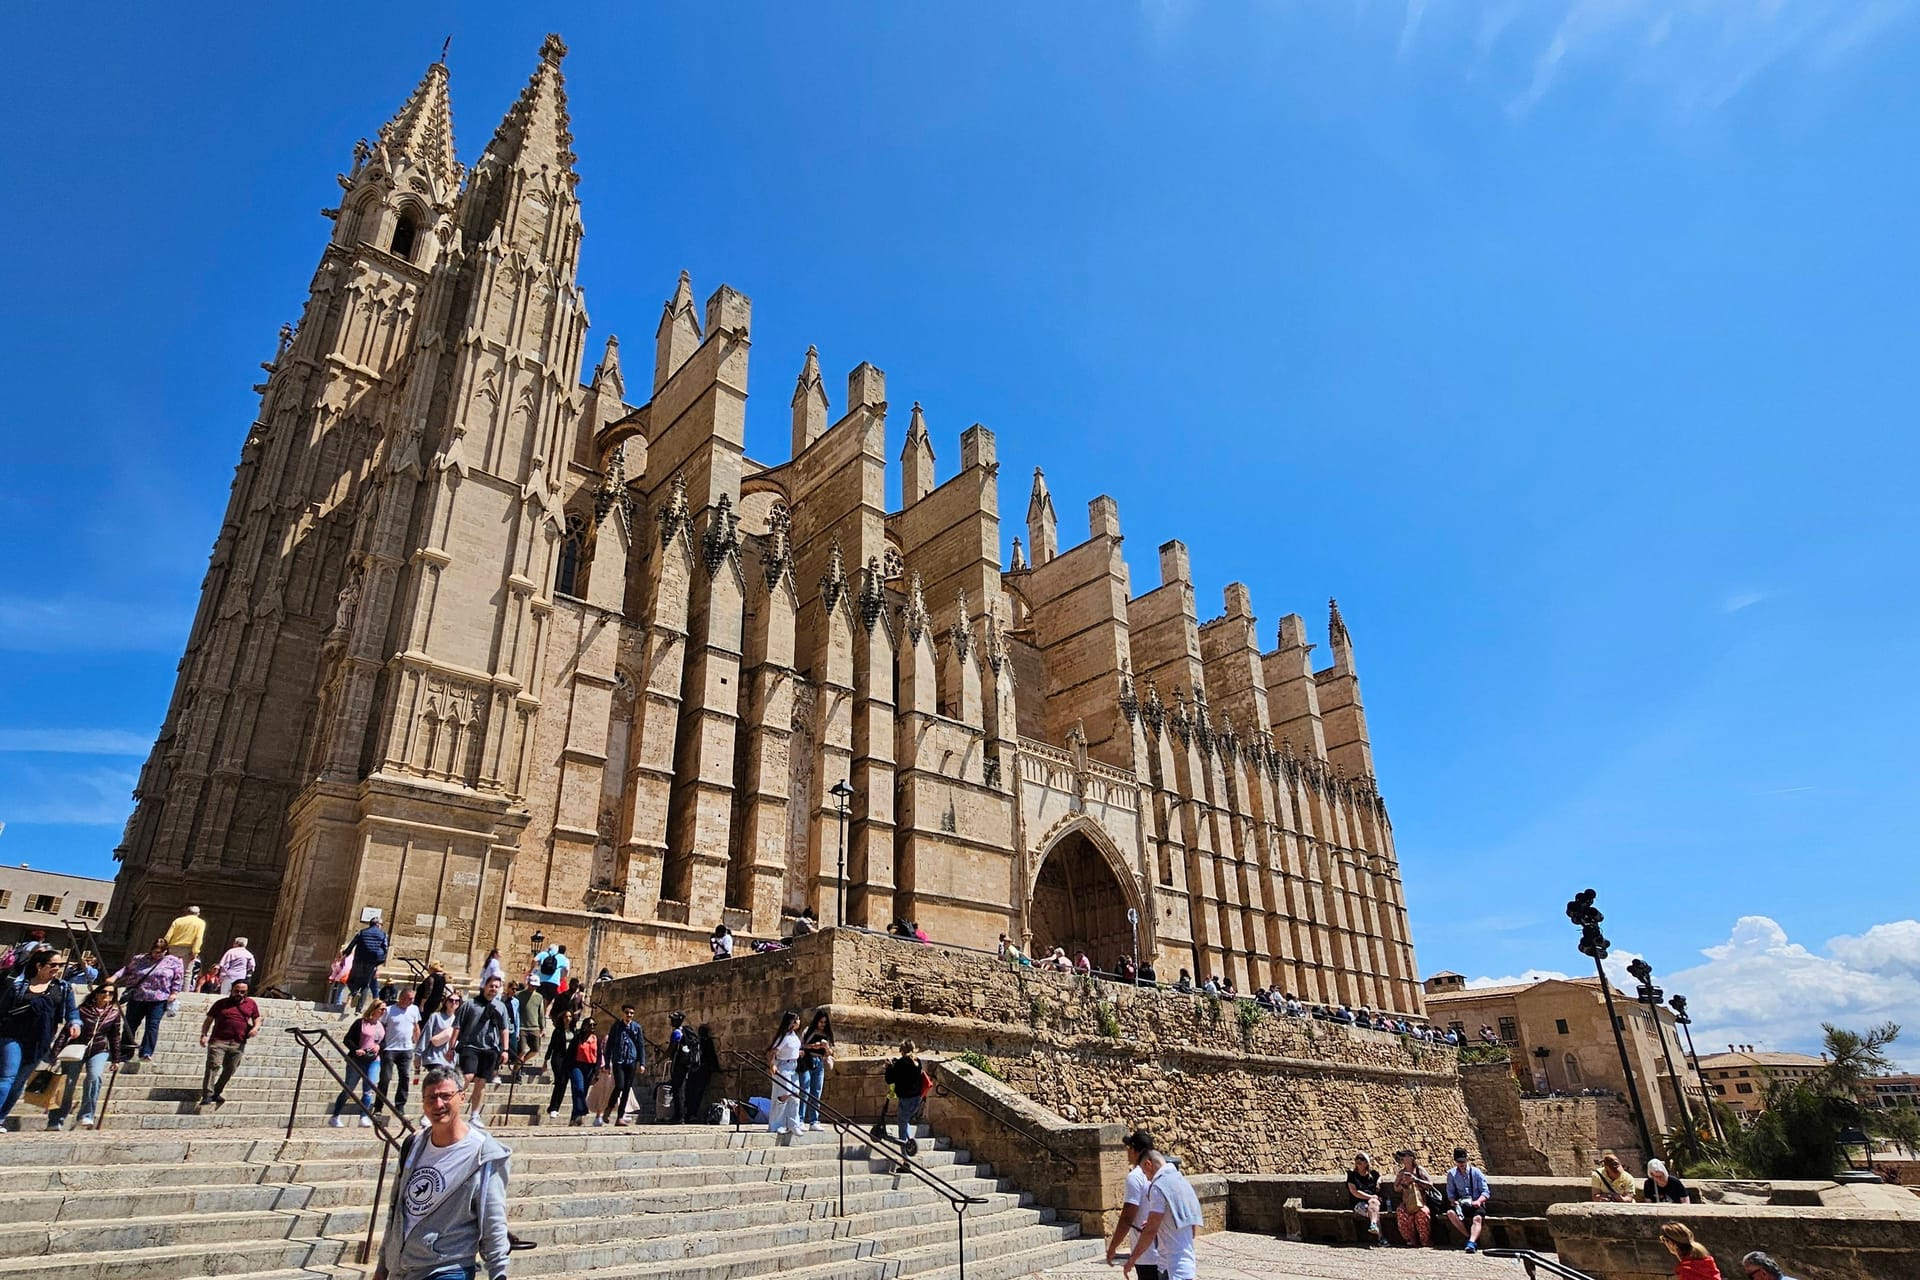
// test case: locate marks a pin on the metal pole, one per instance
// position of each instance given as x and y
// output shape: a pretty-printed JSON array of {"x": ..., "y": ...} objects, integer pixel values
[
  {"x": 1620, "y": 1042},
  {"x": 960, "y": 1226},
  {"x": 1679, "y": 1093},
  {"x": 1706, "y": 1090},
  {"x": 299, "y": 1081},
  {"x": 840, "y": 916},
  {"x": 373, "y": 1214},
  {"x": 842, "y": 1131}
]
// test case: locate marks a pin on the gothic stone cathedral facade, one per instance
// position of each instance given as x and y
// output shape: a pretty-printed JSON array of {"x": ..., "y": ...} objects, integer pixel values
[{"x": 495, "y": 652}]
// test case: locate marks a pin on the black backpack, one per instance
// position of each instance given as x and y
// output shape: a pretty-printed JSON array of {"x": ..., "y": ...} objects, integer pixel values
[
  {"x": 550, "y": 965},
  {"x": 686, "y": 1054}
]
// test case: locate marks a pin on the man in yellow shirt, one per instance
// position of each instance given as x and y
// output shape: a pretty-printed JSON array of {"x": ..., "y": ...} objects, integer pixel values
[
  {"x": 184, "y": 936},
  {"x": 1611, "y": 1183}
]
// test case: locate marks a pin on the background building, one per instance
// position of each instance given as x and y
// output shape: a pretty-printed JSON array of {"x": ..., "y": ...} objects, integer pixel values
[
  {"x": 1740, "y": 1076},
  {"x": 31, "y": 899},
  {"x": 1895, "y": 1091},
  {"x": 1568, "y": 1019},
  {"x": 496, "y": 651}
]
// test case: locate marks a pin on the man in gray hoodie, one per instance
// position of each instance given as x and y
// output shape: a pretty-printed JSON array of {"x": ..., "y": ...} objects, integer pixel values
[{"x": 448, "y": 1217}]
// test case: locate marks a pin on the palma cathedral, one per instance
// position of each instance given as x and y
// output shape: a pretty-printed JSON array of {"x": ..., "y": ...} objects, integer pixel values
[{"x": 498, "y": 652}]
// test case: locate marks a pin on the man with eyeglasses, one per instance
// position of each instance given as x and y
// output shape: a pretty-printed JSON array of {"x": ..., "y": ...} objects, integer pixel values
[{"x": 1761, "y": 1266}]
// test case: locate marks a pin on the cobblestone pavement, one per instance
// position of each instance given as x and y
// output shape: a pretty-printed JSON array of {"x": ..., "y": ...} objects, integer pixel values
[{"x": 1233, "y": 1255}]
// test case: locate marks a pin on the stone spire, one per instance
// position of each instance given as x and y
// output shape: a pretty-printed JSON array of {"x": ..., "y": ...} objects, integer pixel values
[
  {"x": 809, "y": 404},
  {"x": 537, "y": 132},
  {"x": 607, "y": 373},
  {"x": 916, "y": 460},
  {"x": 421, "y": 132},
  {"x": 531, "y": 151},
  {"x": 1042, "y": 526},
  {"x": 678, "y": 336},
  {"x": 1336, "y": 625}
]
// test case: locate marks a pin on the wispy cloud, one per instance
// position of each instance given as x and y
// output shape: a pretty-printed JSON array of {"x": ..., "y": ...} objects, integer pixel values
[
  {"x": 79, "y": 624},
  {"x": 79, "y": 742},
  {"x": 96, "y": 797},
  {"x": 1737, "y": 600}
]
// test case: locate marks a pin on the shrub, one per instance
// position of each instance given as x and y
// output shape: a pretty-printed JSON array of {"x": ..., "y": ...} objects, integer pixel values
[
  {"x": 1249, "y": 1014},
  {"x": 1109, "y": 1019},
  {"x": 978, "y": 1061},
  {"x": 1037, "y": 1011}
]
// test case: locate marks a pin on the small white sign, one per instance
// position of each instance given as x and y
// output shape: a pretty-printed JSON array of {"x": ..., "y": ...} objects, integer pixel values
[{"x": 369, "y": 914}]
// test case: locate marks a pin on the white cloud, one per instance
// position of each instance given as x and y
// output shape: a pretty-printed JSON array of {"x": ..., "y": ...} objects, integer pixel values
[
  {"x": 1759, "y": 987},
  {"x": 83, "y": 742},
  {"x": 1738, "y": 600},
  {"x": 1616, "y": 966},
  {"x": 75, "y": 624}
]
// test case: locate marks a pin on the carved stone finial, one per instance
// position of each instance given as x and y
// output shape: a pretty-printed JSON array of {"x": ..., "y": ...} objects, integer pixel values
[
  {"x": 1129, "y": 701},
  {"x": 1019, "y": 556},
  {"x": 778, "y": 547},
  {"x": 914, "y": 613},
  {"x": 1336, "y": 625},
  {"x": 673, "y": 512},
  {"x": 834, "y": 580},
  {"x": 961, "y": 635},
  {"x": 720, "y": 540},
  {"x": 613, "y": 494},
  {"x": 873, "y": 599},
  {"x": 1153, "y": 712}
]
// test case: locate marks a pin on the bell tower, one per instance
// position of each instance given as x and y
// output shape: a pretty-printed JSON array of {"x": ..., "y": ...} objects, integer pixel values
[{"x": 209, "y": 825}]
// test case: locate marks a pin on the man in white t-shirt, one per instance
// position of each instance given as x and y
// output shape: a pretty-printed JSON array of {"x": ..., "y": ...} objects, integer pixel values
[
  {"x": 449, "y": 1211},
  {"x": 1133, "y": 1212},
  {"x": 402, "y": 1021},
  {"x": 1173, "y": 1215}
]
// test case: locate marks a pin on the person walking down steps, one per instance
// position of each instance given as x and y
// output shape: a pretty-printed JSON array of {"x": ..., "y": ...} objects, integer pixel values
[
  {"x": 448, "y": 1216},
  {"x": 231, "y": 1022}
]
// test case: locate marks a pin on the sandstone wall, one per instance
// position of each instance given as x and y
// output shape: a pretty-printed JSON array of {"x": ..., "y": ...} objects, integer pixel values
[
  {"x": 1561, "y": 1137},
  {"x": 1264, "y": 1095}
]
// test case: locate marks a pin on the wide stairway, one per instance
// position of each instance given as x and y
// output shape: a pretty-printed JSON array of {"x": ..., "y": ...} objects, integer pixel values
[{"x": 161, "y": 1192}]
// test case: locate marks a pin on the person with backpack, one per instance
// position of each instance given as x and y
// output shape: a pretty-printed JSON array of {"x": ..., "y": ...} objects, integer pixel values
[
  {"x": 706, "y": 1063},
  {"x": 369, "y": 950},
  {"x": 625, "y": 1050},
  {"x": 550, "y": 967},
  {"x": 152, "y": 983},
  {"x": 100, "y": 1032},
  {"x": 36, "y": 1005},
  {"x": 448, "y": 1215},
  {"x": 910, "y": 1084},
  {"x": 682, "y": 1062}
]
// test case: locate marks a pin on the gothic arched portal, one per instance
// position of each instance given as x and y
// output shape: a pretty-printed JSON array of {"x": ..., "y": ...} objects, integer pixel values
[{"x": 1080, "y": 904}]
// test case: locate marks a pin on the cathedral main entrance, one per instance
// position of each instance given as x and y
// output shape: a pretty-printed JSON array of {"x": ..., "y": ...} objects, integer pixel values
[{"x": 1080, "y": 905}]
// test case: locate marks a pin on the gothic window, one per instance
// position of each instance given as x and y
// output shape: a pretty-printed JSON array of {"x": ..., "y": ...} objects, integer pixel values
[
  {"x": 572, "y": 547},
  {"x": 404, "y": 233}
]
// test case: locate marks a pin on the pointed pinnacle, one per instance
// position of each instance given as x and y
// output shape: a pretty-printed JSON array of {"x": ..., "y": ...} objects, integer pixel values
[
  {"x": 421, "y": 131},
  {"x": 537, "y": 129},
  {"x": 1336, "y": 625}
]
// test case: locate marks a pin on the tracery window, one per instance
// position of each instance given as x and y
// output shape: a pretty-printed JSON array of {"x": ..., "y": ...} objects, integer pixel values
[{"x": 566, "y": 579}]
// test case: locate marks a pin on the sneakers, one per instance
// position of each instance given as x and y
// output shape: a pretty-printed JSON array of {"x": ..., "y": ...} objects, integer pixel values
[
  {"x": 814, "y": 1127},
  {"x": 1472, "y": 1247},
  {"x": 366, "y": 1122},
  {"x": 553, "y": 1115},
  {"x": 337, "y": 1122},
  {"x": 86, "y": 1122},
  {"x": 598, "y": 1121}
]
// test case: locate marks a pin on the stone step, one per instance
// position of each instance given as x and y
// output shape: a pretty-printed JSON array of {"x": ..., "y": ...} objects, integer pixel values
[{"x": 237, "y": 1257}]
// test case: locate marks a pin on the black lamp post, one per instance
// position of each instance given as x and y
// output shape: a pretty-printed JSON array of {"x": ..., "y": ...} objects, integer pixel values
[
  {"x": 1583, "y": 913},
  {"x": 1540, "y": 1054},
  {"x": 1678, "y": 1003},
  {"x": 1650, "y": 996},
  {"x": 842, "y": 793}
]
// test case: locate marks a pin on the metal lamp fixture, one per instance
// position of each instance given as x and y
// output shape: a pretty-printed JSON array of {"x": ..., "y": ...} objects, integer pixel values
[
  {"x": 842, "y": 793},
  {"x": 1594, "y": 944}
]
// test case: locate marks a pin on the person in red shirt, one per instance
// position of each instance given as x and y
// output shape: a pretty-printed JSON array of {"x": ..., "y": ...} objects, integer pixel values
[
  {"x": 1692, "y": 1260},
  {"x": 231, "y": 1021}
]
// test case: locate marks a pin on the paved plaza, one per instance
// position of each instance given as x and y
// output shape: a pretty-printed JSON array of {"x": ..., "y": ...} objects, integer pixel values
[{"x": 1235, "y": 1255}]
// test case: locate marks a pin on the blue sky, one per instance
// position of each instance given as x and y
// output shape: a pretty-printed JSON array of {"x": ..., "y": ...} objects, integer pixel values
[{"x": 1570, "y": 343}]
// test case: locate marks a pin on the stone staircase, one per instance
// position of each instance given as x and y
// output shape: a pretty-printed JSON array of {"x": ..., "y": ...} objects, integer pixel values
[{"x": 163, "y": 1193}]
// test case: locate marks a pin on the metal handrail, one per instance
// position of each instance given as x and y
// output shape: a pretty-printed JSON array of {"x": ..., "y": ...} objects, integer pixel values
[
  {"x": 1013, "y": 1126},
  {"x": 845, "y": 1127},
  {"x": 1529, "y": 1259},
  {"x": 390, "y": 1145}
]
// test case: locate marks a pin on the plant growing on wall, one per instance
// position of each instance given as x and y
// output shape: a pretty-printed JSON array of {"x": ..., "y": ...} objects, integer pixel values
[
  {"x": 1036, "y": 1011},
  {"x": 979, "y": 1062},
  {"x": 1109, "y": 1019},
  {"x": 1249, "y": 1015}
]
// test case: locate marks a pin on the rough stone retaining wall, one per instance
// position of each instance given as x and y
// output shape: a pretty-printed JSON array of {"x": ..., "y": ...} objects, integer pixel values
[
  {"x": 1542, "y": 1137},
  {"x": 1267, "y": 1094}
]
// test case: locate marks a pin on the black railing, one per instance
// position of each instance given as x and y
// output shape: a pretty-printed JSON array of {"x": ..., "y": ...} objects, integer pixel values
[
  {"x": 312, "y": 1040},
  {"x": 1529, "y": 1259},
  {"x": 1015, "y": 1127},
  {"x": 845, "y": 1127}
]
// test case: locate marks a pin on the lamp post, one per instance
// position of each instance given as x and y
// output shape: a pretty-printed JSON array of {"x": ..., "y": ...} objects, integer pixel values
[
  {"x": 843, "y": 794},
  {"x": 1678, "y": 1003},
  {"x": 1583, "y": 913},
  {"x": 1133, "y": 921},
  {"x": 1651, "y": 996},
  {"x": 1540, "y": 1055}
]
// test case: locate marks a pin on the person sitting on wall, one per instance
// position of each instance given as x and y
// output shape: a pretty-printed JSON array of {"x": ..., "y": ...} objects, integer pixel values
[
  {"x": 918, "y": 934},
  {"x": 1210, "y": 987},
  {"x": 1487, "y": 1036},
  {"x": 1413, "y": 1197},
  {"x": 1082, "y": 965},
  {"x": 1146, "y": 976},
  {"x": 1184, "y": 983},
  {"x": 1363, "y": 1187},
  {"x": 1059, "y": 962},
  {"x": 1611, "y": 1183},
  {"x": 1662, "y": 1187},
  {"x": 1467, "y": 1194},
  {"x": 721, "y": 943}
]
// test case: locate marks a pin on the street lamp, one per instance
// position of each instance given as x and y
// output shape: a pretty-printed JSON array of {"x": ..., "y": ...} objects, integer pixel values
[
  {"x": 842, "y": 793},
  {"x": 1650, "y": 995},
  {"x": 1678, "y": 1003},
  {"x": 1133, "y": 920},
  {"x": 1583, "y": 913}
]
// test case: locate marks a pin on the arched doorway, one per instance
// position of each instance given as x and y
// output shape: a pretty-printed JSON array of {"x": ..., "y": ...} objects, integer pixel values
[{"x": 1080, "y": 905}]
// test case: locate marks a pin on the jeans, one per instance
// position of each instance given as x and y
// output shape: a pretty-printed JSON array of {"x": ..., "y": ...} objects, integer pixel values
[
  {"x": 622, "y": 1086},
  {"x": 148, "y": 1012},
  {"x": 16, "y": 1064},
  {"x": 96, "y": 1069},
  {"x": 368, "y": 1075},
  {"x": 462, "y": 1271},
  {"x": 223, "y": 1059},
  {"x": 397, "y": 1068},
  {"x": 360, "y": 983},
  {"x": 786, "y": 1099},
  {"x": 581, "y": 1076},
  {"x": 813, "y": 1078},
  {"x": 909, "y": 1113}
]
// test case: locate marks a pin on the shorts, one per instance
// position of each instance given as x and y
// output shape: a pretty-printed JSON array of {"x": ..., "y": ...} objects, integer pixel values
[
  {"x": 1147, "y": 1271},
  {"x": 481, "y": 1064},
  {"x": 1468, "y": 1212}
]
